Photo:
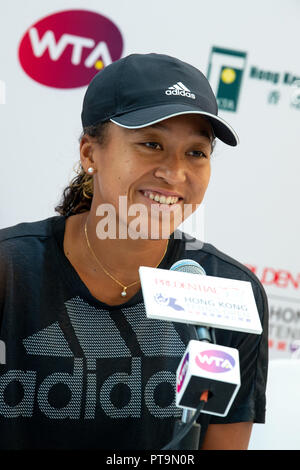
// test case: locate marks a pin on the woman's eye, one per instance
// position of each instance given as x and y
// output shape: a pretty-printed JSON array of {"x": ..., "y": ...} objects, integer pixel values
[
  {"x": 152, "y": 145},
  {"x": 198, "y": 154}
]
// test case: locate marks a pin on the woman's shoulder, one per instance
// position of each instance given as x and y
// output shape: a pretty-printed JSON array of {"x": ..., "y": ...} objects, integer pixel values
[
  {"x": 39, "y": 228},
  {"x": 217, "y": 263},
  {"x": 22, "y": 236}
]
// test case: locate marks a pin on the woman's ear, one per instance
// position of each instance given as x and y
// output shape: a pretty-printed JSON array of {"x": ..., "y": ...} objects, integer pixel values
[{"x": 87, "y": 149}]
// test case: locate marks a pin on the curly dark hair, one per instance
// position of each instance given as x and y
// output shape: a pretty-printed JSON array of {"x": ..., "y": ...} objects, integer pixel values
[{"x": 77, "y": 196}]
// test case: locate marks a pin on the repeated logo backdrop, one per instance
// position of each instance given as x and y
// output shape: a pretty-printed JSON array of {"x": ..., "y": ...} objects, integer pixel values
[
  {"x": 282, "y": 287},
  {"x": 228, "y": 67},
  {"x": 66, "y": 49},
  {"x": 227, "y": 70},
  {"x": 252, "y": 210}
]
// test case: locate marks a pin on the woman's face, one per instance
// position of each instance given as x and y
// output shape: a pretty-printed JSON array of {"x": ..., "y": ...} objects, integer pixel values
[{"x": 162, "y": 171}]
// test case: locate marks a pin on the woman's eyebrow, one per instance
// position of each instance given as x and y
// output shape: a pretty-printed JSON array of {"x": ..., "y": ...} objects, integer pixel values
[{"x": 163, "y": 127}]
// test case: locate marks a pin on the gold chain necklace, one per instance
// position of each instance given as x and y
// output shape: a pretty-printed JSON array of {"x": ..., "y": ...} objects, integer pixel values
[{"x": 123, "y": 293}]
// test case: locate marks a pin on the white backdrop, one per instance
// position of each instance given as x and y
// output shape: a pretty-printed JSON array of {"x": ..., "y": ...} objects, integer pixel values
[{"x": 252, "y": 204}]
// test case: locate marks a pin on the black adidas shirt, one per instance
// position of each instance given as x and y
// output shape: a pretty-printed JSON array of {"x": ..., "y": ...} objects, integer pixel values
[{"x": 80, "y": 374}]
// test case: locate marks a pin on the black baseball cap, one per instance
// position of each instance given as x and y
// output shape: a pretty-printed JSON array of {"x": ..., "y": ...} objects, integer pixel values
[{"x": 142, "y": 89}]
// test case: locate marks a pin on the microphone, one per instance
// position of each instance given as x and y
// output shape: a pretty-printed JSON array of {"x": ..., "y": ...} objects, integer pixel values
[
  {"x": 199, "y": 387},
  {"x": 206, "y": 366},
  {"x": 202, "y": 332},
  {"x": 186, "y": 434},
  {"x": 208, "y": 376},
  {"x": 190, "y": 266}
]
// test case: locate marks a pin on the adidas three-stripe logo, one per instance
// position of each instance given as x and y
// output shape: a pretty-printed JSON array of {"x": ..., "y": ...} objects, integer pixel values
[
  {"x": 145, "y": 370},
  {"x": 181, "y": 90}
]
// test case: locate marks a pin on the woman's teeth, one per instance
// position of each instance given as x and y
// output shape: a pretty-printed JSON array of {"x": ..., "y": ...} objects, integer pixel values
[{"x": 161, "y": 198}]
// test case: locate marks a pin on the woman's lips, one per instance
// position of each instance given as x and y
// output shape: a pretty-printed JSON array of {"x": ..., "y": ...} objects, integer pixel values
[
  {"x": 161, "y": 197},
  {"x": 159, "y": 204}
]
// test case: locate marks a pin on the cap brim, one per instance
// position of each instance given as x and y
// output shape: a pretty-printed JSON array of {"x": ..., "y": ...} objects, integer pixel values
[{"x": 148, "y": 116}]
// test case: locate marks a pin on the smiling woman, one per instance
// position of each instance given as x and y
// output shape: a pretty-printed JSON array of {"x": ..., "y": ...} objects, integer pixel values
[
  {"x": 163, "y": 169},
  {"x": 72, "y": 314},
  {"x": 77, "y": 197}
]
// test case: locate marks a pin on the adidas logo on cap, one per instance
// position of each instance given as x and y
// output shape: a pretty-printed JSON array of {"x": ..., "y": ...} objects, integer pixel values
[{"x": 180, "y": 89}]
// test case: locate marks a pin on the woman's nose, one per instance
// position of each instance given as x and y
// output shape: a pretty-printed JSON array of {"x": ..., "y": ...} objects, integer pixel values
[{"x": 172, "y": 169}]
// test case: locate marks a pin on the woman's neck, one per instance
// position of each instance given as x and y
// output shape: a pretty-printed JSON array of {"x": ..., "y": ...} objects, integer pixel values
[
  {"x": 120, "y": 257},
  {"x": 109, "y": 268}
]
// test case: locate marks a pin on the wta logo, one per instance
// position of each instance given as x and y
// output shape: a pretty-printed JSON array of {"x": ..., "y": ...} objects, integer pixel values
[
  {"x": 66, "y": 49},
  {"x": 215, "y": 361}
]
